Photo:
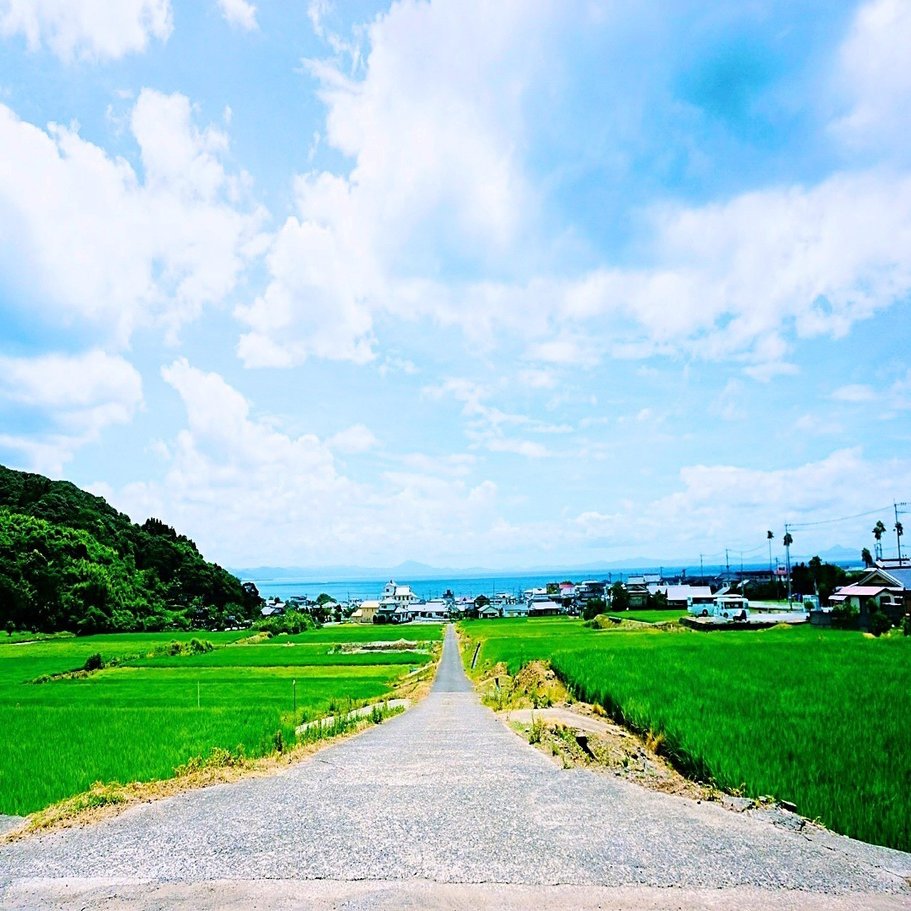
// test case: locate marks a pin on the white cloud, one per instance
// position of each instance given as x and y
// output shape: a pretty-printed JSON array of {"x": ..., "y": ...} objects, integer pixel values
[
  {"x": 489, "y": 427},
  {"x": 728, "y": 404},
  {"x": 87, "y": 29},
  {"x": 322, "y": 279},
  {"x": 249, "y": 493},
  {"x": 527, "y": 448},
  {"x": 715, "y": 506},
  {"x": 353, "y": 440},
  {"x": 537, "y": 378},
  {"x": 439, "y": 176},
  {"x": 855, "y": 393},
  {"x": 735, "y": 279},
  {"x": 75, "y": 396},
  {"x": 875, "y": 76},
  {"x": 239, "y": 13},
  {"x": 455, "y": 465},
  {"x": 150, "y": 251},
  {"x": 436, "y": 173},
  {"x": 900, "y": 392}
]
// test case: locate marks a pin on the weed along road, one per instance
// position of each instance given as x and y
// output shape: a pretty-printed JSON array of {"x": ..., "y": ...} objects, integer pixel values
[{"x": 444, "y": 807}]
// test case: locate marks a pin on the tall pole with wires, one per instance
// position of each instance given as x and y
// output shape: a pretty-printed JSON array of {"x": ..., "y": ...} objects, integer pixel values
[
  {"x": 788, "y": 541},
  {"x": 899, "y": 530}
]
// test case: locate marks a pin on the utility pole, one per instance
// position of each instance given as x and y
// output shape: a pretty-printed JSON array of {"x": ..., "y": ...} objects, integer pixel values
[
  {"x": 770, "y": 535},
  {"x": 788, "y": 540},
  {"x": 899, "y": 529},
  {"x": 898, "y": 533}
]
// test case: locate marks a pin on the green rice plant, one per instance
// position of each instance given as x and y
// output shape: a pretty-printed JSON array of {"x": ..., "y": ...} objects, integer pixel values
[
  {"x": 142, "y": 720},
  {"x": 815, "y": 717}
]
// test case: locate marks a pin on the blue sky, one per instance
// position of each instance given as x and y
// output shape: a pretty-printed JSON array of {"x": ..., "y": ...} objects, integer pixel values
[{"x": 511, "y": 284}]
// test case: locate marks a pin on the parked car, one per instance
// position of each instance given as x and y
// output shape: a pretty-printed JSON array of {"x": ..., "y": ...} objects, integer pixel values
[{"x": 734, "y": 608}]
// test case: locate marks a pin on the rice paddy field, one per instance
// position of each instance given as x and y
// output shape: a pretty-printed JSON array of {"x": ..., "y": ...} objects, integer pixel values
[
  {"x": 151, "y": 712},
  {"x": 816, "y": 717}
]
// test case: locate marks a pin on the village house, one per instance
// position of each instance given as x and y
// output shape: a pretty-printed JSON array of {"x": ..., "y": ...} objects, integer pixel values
[
  {"x": 640, "y": 587},
  {"x": 437, "y": 610},
  {"x": 365, "y": 612},
  {"x": 682, "y": 597},
  {"x": 400, "y": 594},
  {"x": 886, "y": 587}
]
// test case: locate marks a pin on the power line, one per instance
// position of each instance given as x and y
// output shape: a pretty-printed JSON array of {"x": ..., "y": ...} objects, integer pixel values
[{"x": 860, "y": 515}]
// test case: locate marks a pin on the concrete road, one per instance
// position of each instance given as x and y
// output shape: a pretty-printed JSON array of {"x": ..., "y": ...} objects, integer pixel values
[{"x": 443, "y": 807}]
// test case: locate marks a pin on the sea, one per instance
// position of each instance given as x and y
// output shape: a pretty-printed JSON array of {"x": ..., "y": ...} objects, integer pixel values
[
  {"x": 428, "y": 588},
  {"x": 343, "y": 590},
  {"x": 361, "y": 589}
]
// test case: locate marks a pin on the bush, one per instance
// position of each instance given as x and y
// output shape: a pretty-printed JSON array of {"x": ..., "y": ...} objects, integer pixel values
[
  {"x": 906, "y": 624},
  {"x": 879, "y": 623},
  {"x": 844, "y": 616},
  {"x": 291, "y": 622},
  {"x": 593, "y": 608},
  {"x": 93, "y": 662}
]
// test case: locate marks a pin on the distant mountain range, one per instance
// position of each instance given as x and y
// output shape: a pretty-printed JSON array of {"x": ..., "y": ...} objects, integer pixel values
[{"x": 412, "y": 569}]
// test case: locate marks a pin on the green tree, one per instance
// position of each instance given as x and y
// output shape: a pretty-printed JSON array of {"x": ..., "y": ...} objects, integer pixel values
[
  {"x": 619, "y": 597},
  {"x": 68, "y": 560},
  {"x": 592, "y": 608}
]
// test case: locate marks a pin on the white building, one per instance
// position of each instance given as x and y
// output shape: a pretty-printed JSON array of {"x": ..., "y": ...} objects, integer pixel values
[{"x": 399, "y": 594}]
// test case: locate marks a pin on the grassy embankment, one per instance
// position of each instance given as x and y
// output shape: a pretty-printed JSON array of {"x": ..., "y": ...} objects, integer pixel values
[
  {"x": 817, "y": 717},
  {"x": 152, "y": 713}
]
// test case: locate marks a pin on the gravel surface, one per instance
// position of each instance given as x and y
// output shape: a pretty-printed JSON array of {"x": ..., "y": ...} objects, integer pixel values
[{"x": 442, "y": 794}]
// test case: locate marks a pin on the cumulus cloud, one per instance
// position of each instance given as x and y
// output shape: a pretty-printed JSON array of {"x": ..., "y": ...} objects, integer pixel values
[
  {"x": 86, "y": 241},
  {"x": 73, "y": 397},
  {"x": 735, "y": 279},
  {"x": 87, "y": 29},
  {"x": 719, "y": 505},
  {"x": 250, "y": 493},
  {"x": 353, "y": 440},
  {"x": 239, "y": 13},
  {"x": 438, "y": 215},
  {"x": 875, "y": 76},
  {"x": 435, "y": 175}
]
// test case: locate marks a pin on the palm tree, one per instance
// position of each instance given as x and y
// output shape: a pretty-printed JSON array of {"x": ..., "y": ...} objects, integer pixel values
[{"x": 878, "y": 531}]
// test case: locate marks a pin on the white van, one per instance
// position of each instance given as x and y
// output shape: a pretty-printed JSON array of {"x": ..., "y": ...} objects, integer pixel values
[{"x": 735, "y": 608}]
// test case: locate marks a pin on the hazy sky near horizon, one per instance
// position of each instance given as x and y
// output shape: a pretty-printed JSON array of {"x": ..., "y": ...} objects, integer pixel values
[{"x": 486, "y": 283}]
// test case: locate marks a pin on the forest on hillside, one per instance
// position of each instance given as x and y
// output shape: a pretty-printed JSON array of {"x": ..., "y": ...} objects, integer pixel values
[{"x": 70, "y": 561}]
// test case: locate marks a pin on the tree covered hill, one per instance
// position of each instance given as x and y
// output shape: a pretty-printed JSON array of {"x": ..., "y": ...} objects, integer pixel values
[{"x": 70, "y": 561}]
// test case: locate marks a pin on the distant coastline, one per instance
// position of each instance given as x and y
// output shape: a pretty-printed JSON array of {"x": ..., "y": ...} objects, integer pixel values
[
  {"x": 489, "y": 583},
  {"x": 411, "y": 570}
]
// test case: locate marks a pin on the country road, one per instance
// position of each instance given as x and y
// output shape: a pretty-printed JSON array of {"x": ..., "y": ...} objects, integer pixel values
[{"x": 443, "y": 807}]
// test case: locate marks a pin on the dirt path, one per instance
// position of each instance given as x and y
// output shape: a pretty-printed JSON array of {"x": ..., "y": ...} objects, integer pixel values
[{"x": 443, "y": 807}]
